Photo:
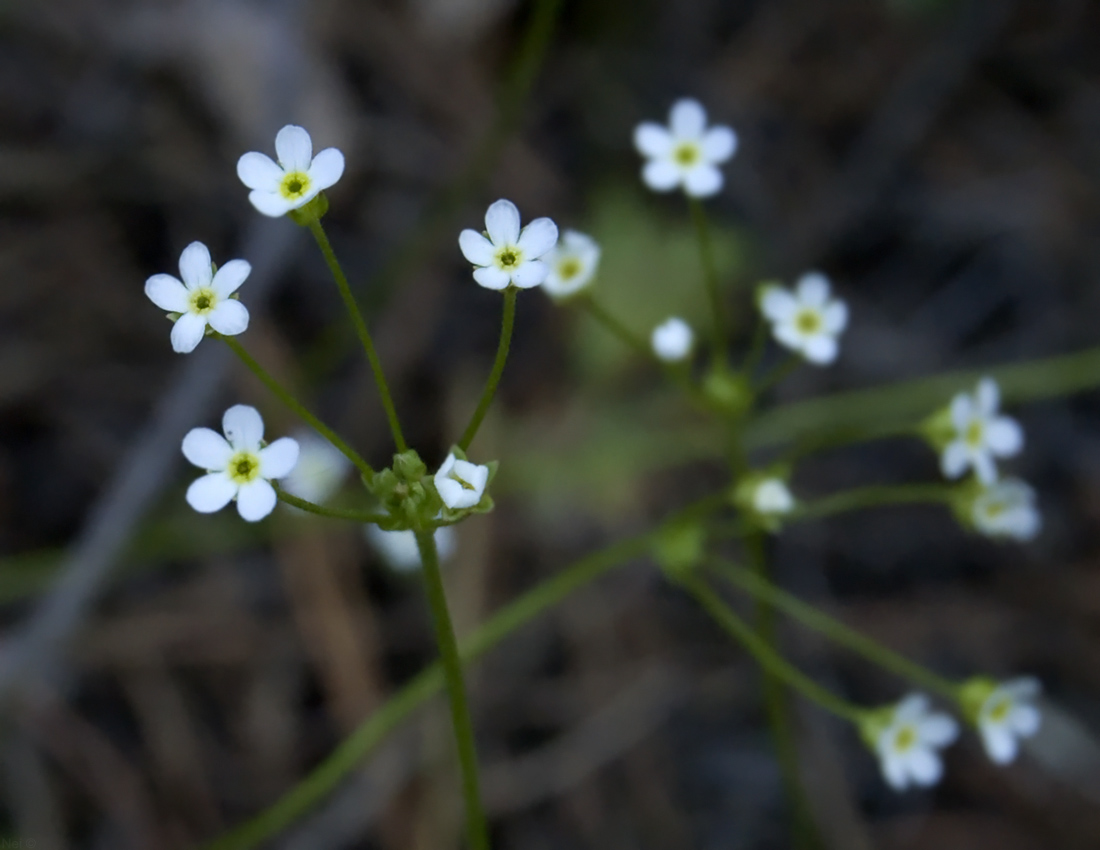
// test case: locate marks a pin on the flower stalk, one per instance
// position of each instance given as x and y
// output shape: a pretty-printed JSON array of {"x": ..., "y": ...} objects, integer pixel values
[{"x": 508, "y": 320}]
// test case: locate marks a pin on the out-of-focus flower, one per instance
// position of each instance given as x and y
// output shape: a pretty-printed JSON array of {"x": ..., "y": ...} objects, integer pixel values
[
  {"x": 685, "y": 153},
  {"x": 908, "y": 738},
  {"x": 807, "y": 320},
  {"x": 1004, "y": 712},
  {"x": 461, "y": 484},
  {"x": 505, "y": 255},
  {"x": 980, "y": 435},
  {"x": 672, "y": 339},
  {"x": 573, "y": 263},
  {"x": 296, "y": 179},
  {"x": 1007, "y": 509},
  {"x": 399, "y": 549},
  {"x": 771, "y": 497},
  {"x": 320, "y": 470}
]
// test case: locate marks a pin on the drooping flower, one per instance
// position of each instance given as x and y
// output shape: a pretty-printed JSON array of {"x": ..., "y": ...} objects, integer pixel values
[
  {"x": 672, "y": 340},
  {"x": 202, "y": 298},
  {"x": 807, "y": 320},
  {"x": 573, "y": 262},
  {"x": 685, "y": 153},
  {"x": 320, "y": 469},
  {"x": 772, "y": 497},
  {"x": 907, "y": 740},
  {"x": 239, "y": 466},
  {"x": 505, "y": 255},
  {"x": 460, "y": 483},
  {"x": 296, "y": 179},
  {"x": 1004, "y": 712},
  {"x": 1006, "y": 509},
  {"x": 979, "y": 434},
  {"x": 399, "y": 549}
]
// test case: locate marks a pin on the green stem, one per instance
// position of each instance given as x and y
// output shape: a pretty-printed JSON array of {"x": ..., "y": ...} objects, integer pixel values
[
  {"x": 291, "y": 402},
  {"x": 360, "y": 324},
  {"x": 874, "y": 496},
  {"x": 756, "y": 350},
  {"x": 710, "y": 277},
  {"x": 833, "y": 629},
  {"x": 780, "y": 373},
  {"x": 508, "y": 320},
  {"x": 840, "y": 437},
  {"x": 476, "y": 827},
  {"x": 333, "y": 513}
]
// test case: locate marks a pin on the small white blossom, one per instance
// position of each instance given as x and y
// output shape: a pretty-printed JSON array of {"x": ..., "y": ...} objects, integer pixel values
[
  {"x": 296, "y": 179},
  {"x": 460, "y": 483},
  {"x": 772, "y": 497},
  {"x": 202, "y": 298},
  {"x": 908, "y": 744},
  {"x": 508, "y": 256},
  {"x": 807, "y": 320},
  {"x": 672, "y": 339},
  {"x": 1007, "y": 509},
  {"x": 685, "y": 153},
  {"x": 1007, "y": 714},
  {"x": 573, "y": 263},
  {"x": 320, "y": 469},
  {"x": 399, "y": 549},
  {"x": 239, "y": 465},
  {"x": 980, "y": 434}
]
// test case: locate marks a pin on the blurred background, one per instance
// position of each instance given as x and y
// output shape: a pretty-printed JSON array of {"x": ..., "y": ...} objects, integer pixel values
[{"x": 164, "y": 676}]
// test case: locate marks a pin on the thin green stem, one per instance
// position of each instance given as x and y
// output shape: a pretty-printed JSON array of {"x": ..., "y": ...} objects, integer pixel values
[
  {"x": 625, "y": 335},
  {"x": 508, "y": 320},
  {"x": 710, "y": 278},
  {"x": 291, "y": 402},
  {"x": 833, "y": 629},
  {"x": 873, "y": 497},
  {"x": 333, "y": 513},
  {"x": 476, "y": 827},
  {"x": 318, "y": 231},
  {"x": 840, "y": 437},
  {"x": 779, "y": 373},
  {"x": 756, "y": 350}
]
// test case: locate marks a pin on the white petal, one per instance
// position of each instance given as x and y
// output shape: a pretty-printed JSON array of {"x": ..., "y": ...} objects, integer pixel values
[
  {"x": 834, "y": 318},
  {"x": 492, "y": 278},
  {"x": 894, "y": 769},
  {"x": 703, "y": 181},
  {"x": 538, "y": 237},
  {"x": 999, "y": 743},
  {"x": 719, "y": 144},
  {"x": 660, "y": 175},
  {"x": 167, "y": 292},
  {"x": 259, "y": 171},
  {"x": 924, "y": 766},
  {"x": 473, "y": 474},
  {"x": 1026, "y": 720},
  {"x": 229, "y": 277},
  {"x": 243, "y": 427},
  {"x": 652, "y": 140},
  {"x": 207, "y": 449},
  {"x": 445, "y": 468},
  {"x": 777, "y": 304},
  {"x": 294, "y": 147},
  {"x": 327, "y": 168},
  {"x": 1004, "y": 436},
  {"x": 581, "y": 244},
  {"x": 476, "y": 248},
  {"x": 788, "y": 334},
  {"x": 195, "y": 268},
  {"x": 187, "y": 333},
  {"x": 912, "y": 707},
  {"x": 229, "y": 317},
  {"x": 984, "y": 467},
  {"x": 1025, "y": 687},
  {"x": 279, "y": 458},
  {"x": 939, "y": 729},
  {"x": 255, "y": 500},
  {"x": 451, "y": 492},
  {"x": 955, "y": 459},
  {"x": 988, "y": 396},
  {"x": 962, "y": 411},
  {"x": 211, "y": 492},
  {"x": 502, "y": 222},
  {"x": 687, "y": 119},
  {"x": 271, "y": 203},
  {"x": 820, "y": 349},
  {"x": 813, "y": 289},
  {"x": 530, "y": 274}
]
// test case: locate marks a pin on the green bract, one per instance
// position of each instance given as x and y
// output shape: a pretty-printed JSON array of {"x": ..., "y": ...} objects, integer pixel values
[{"x": 406, "y": 493}]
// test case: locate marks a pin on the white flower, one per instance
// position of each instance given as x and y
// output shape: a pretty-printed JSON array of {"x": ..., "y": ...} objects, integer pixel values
[
  {"x": 201, "y": 298},
  {"x": 686, "y": 152},
  {"x": 293, "y": 181},
  {"x": 672, "y": 339},
  {"x": 1007, "y": 509},
  {"x": 908, "y": 744},
  {"x": 509, "y": 256},
  {"x": 980, "y": 434},
  {"x": 1007, "y": 714},
  {"x": 399, "y": 549},
  {"x": 320, "y": 469},
  {"x": 771, "y": 497},
  {"x": 461, "y": 483},
  {"x": 572, "y": 263},
  {"x": 807, "y": 320},
  {"x": 239, "y": 465}
]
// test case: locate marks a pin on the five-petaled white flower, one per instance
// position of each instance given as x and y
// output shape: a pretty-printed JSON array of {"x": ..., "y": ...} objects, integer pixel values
[
  {"x": 772, "y": 497},
  {"x": 460, "y": 483},
  {"x": 685, "y": 153},
  {"x": 1007, "y": 509},
  {"x": 672, "y": 339},
  {"x": 201, "y": 298},
  {"x": 572, "y": 263},
  {"x": 980, "y": 434},
  {"x": 908, "y": 743},
  {"x": 320, "y": 469},
  {"x": 399, "y": 549},
  {"x": 293, "y": 181},
  {"x": 1007, "y": 714},
  {"x": 508, "y": 256},
  {"x": 807, "y": 320},
  {"x": 239, "y": 465}
]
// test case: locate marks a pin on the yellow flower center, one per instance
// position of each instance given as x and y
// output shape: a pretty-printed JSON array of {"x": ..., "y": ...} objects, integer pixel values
[
  {"x": 295, "y": 185},
  {"x": 905, "y": 739},
  {"x": 509, "y": 257},
  {"x": 466, "y": 485},
  {"x": 998, "y": 713},
  {"x": 243, "y": 467},
  {"x": 808, "y": 321},
  {"x": 686, "y": 154},
  {"x": 569, "y": 268},
  {"x": 975, "y": 434},
  {"x": 203, "y": 301}
]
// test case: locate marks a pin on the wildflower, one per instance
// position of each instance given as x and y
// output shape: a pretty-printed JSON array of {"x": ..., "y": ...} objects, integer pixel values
[
  {"x": 296, "y": 179},
  {"x": 399, "y": 549},
  {"x": 505, "y": 255},
  {"x": 202, "y": 298},
  {"x": 572, "y": 263},
  {"x": 672, "y": 339},
  {"x": 460, "y": 484},
  {"x": 1003, "y": 712},
  {"x": 771, "y": 497},
  {"x": 320, "y": 468},
  {"x": 907, "y": 738},
  {"x": 686, "y": 152},
  {"x": 807, "y": 320},
  {"x": 1006, "y": 509},
  {"x": 979, "y": 434},
  {"x": 239, "y": 465}
]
